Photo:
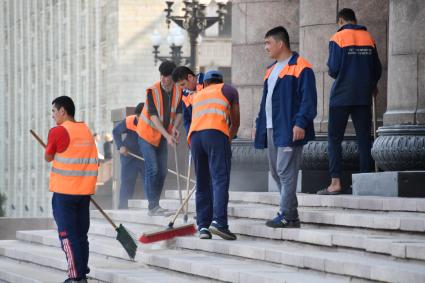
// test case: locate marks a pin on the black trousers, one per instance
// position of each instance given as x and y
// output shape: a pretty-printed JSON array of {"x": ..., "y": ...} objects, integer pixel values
[{"x": 362, "y": 120}]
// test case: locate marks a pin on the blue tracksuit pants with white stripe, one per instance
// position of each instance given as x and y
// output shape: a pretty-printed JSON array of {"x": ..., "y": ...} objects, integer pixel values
[{"x": 72, "y": 216}]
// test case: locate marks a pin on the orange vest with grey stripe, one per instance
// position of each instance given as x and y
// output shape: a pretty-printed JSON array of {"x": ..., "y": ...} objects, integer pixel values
[
  {"x": 130, "y": 122},
  {"x": 211, "y": 111},
  {"x": 187, "y": 99},
  {"x": 145, "y": 127},
  {"x": 74, "y": 171}
]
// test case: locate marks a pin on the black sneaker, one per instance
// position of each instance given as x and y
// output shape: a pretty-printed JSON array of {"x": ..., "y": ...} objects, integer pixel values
[
  {"x": 204, "y": 234},
  {"x": 70, "y": 280},
  {"x": 280, "y": 222},
  {"x": 221, "y": 232}
]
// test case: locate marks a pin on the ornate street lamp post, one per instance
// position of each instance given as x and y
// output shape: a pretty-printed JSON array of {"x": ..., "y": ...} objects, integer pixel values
[
  {"x": 175, "y": 40},
  {"x": 195, "y": 21}
]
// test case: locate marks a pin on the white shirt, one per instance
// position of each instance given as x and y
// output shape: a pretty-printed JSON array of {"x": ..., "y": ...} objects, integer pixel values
[{"x": 271, "y": 83}]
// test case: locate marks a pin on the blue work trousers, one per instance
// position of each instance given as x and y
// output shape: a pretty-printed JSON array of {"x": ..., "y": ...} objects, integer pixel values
[
  {"x": 130, "y": 168},
  {"x": 338, "y": 118},
  {"x": 212, "y": 155}
]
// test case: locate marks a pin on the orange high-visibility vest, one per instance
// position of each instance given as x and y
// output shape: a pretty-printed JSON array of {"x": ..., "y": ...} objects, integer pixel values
[
  {"x": 74, "y": 171},
  {"x": 187, "y": 100},
  {"x": 145, "y": 127},
  {"x": 129, "y": 122},
  {"x": 211, "y": 111}
]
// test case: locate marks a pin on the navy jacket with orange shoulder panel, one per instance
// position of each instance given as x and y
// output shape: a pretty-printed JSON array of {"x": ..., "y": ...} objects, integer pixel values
[
  {"x": 127, "y": 126},
  {"x": 354, "y": 64},
  {"x": 294, "y": 102}
]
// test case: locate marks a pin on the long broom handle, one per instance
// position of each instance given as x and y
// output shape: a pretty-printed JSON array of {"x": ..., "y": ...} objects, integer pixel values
[
  {"x": 170, "y": 225},
  {"x": 169, "y": 170},
  {"x": 374, "y": 124},
  {"x": 188, "y": 183},
  {"x": 91, "y": 199},
  {"x": 104, "y": 214},
  {"x": 176, "y": 160}
]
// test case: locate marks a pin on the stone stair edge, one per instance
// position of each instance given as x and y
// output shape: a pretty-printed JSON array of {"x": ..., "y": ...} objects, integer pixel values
[
  {"x": 393, "y": 220},
  {"x": 101, "y": 272},
  {"x": 342, "y": 201},
  {"x": 152, "y": 259},
  {"x": 259, "y": 252}
]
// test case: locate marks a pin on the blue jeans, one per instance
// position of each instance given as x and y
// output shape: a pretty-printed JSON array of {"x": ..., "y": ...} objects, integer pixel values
[
  {"x": 155, "y": 169},
  {"x": 130, "y": 169},
  {"x": 212, "y": 155},
  {"x": 72, "y": 216}
]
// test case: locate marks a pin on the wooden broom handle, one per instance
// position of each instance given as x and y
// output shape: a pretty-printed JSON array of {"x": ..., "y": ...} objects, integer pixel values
[
  {"x": 169, "y": 170},
  {"x": 104, "y": 214},
  {"x": 40, "y": 141},
  {"x": 91, "y": 199}
]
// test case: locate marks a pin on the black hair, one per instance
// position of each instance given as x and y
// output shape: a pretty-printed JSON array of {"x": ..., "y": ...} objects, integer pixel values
[
  {"x": 214, "y": 81},
  {"x": 347, "y": 15},
  {"x": 65, "y": 102},
  {"x": 279, "y": 33},
  {"x": 166, "y": 68},
  {"x": 139, "y": 108},
  {"x": 181, "y": 73}
]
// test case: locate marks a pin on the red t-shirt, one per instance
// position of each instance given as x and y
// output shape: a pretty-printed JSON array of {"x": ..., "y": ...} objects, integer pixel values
[{"x": 57, "y": 141}]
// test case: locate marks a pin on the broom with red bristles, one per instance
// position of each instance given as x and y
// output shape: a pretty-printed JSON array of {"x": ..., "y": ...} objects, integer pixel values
[{"x": 170, "y": 231}]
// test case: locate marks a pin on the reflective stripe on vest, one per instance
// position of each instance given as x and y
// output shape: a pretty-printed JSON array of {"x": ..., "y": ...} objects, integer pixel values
[
  {"x": 158, "y": 101},
  {"x": 145, "y": 127},
  {"x": 80, "y": 173},
  {"x": 147, "y": 121},
  {"x": 210, "y": 111},
  {"x": 211, "y": 101},
  {"x": 76, "y": 160},
  {"x": 74, "y": 171}
]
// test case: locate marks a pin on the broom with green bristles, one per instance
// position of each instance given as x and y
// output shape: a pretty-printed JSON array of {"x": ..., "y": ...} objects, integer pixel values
[{"x": 123, "y": 236}]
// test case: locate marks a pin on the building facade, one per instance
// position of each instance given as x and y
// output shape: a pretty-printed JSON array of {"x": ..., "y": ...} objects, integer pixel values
[{"x": 98, "y": 52}]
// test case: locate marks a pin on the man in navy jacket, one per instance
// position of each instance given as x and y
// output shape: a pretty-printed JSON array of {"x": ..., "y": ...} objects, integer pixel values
[
  {"x": 354, "y": 64},
  {"x": 130, "y": 167},
  {"x": 285, "y": 120}
]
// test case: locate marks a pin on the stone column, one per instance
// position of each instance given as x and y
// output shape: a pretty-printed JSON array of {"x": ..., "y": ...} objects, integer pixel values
[
  {"x": 317, "y": 25},
  {"x": 401, "y": 143},
  {"x": 251, "y": 19}
]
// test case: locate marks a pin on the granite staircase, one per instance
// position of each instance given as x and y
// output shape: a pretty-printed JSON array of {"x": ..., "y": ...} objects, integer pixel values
[{"x": 342, "y": 239}]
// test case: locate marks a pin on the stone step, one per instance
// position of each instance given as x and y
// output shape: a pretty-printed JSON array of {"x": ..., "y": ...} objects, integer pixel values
[
  {"x": 342, "y": 262},
  {"x": 400, "y": 245},
  {"x": 214, "y": 266},
  {"x": 24, "y": 272},
  {"x": 103, "y": 268},
  {"x": 381, "y": 220},
  {"x": 337, "y": 201}
]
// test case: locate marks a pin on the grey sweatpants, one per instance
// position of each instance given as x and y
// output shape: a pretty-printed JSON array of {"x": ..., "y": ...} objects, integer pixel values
[{"x": 284, "y": 164}]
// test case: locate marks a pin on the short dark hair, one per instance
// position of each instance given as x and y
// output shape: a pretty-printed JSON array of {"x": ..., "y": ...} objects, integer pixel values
[
  {"x": 65, "y": 102},
  {"x": 139, "y": 108},
  {"x": 214, "y": 81},
  {"x": 181, "y": 73},
  {"x": 279, "y": 33},
  {"x": 166, "y": 68},
  {"x": 347, "y": 15}
]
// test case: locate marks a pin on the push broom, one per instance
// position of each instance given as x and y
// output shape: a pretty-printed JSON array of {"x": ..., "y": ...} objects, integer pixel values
[
  {"x": 123, "y": 236},
  {"x": 170, "y": 231}
]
